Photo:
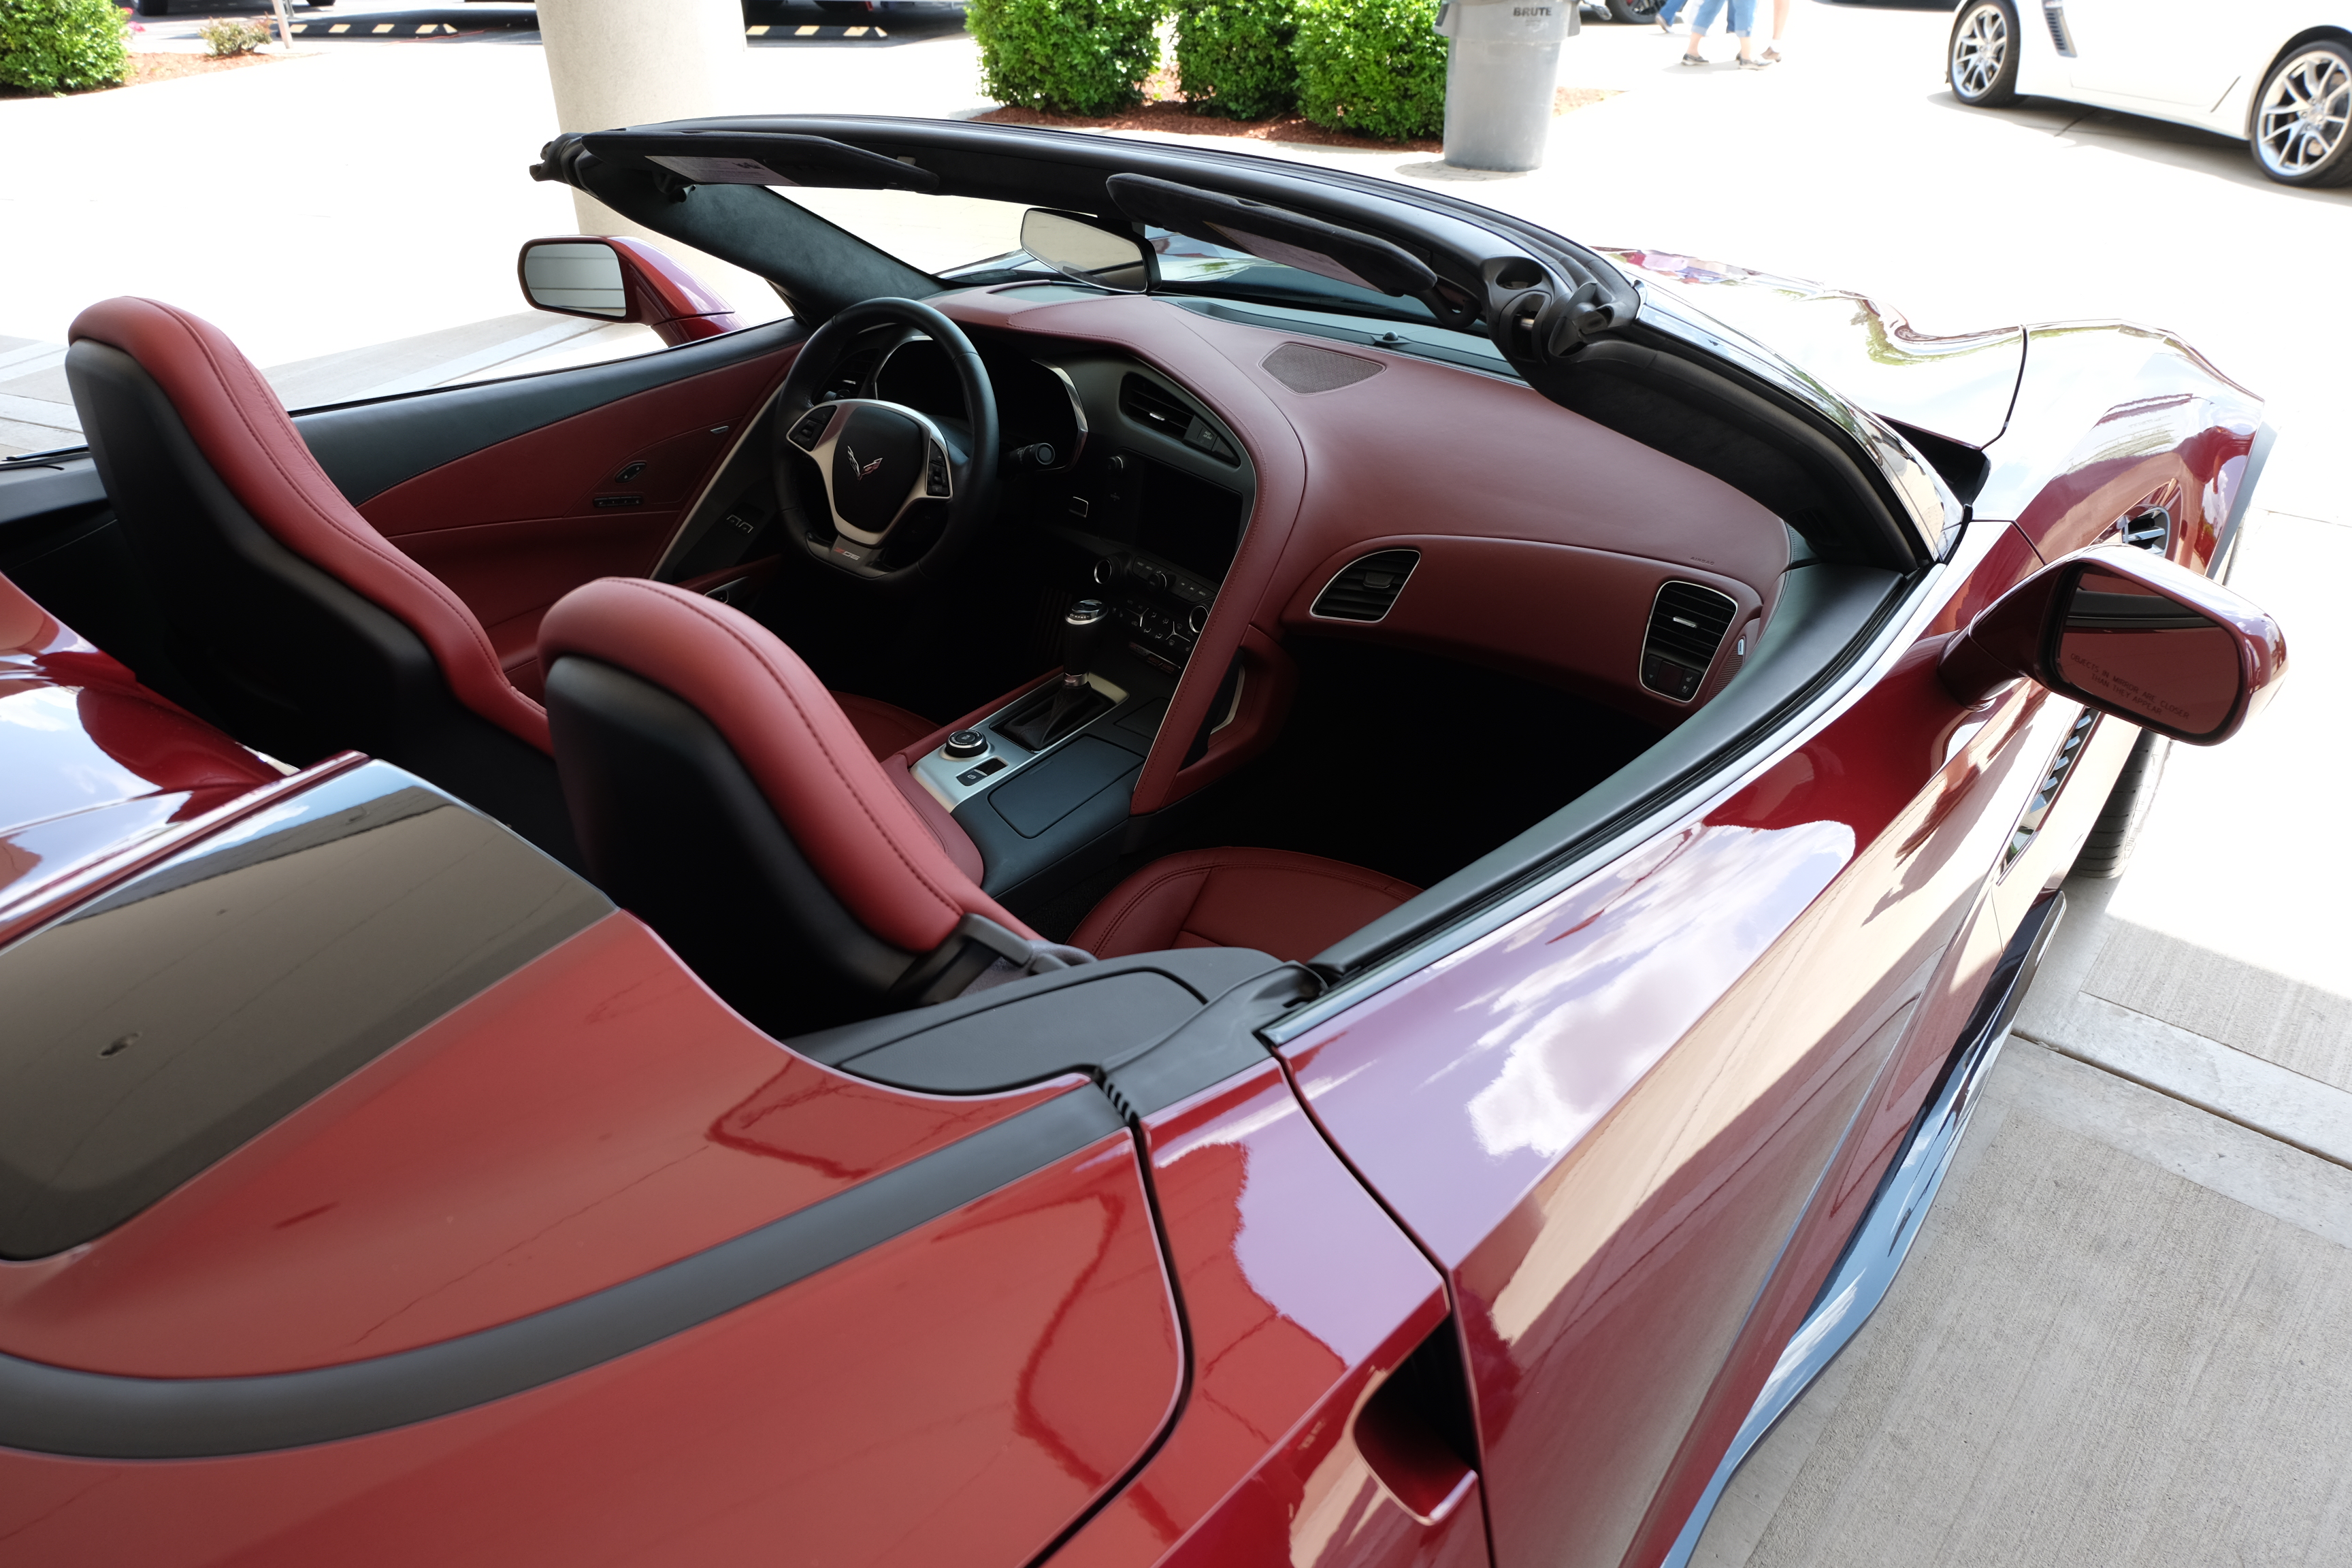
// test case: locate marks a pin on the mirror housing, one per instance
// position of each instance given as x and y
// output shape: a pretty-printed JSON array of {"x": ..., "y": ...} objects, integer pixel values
[
  {"x": 617, "y": 278},
  {"x": 1087, "y": 250},
  {"x": 2129, "y": 634}
]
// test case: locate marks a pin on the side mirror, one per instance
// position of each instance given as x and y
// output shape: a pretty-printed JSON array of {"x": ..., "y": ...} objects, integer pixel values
[
  {"x": 622, "y": 280},
  {"x": 2129, "y": 634},
  {"x": 1087, "y": 250}
]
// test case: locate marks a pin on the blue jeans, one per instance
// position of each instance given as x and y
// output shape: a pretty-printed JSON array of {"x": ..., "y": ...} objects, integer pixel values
[{"x": 1743, "y": 17}]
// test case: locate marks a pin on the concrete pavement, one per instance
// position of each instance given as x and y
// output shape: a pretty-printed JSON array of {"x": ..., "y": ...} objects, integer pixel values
[{"x": 2118, "y": 1339}]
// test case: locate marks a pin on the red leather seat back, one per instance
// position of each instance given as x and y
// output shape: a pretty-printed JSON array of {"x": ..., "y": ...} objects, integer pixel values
[
  {"x": 253, "y": 449},
  {"x": 722, "y": 795}
]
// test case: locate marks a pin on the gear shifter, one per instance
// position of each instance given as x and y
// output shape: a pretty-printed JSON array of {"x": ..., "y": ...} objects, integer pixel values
[{"x": 1069, "y": 707}]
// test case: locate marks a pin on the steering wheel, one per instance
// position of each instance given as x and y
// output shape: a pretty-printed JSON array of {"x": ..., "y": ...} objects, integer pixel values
[{"x": 883, "y": 462}]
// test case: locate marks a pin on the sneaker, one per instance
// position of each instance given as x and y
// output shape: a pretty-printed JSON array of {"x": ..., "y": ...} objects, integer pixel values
[
  {"x": 1690, "y": 60},
  {"x": 1771, "y": 57},
  {"x": 1748, "y": 63}
]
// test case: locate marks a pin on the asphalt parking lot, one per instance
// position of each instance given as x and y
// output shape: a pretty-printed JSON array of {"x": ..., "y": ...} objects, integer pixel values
[{"x": 2119, "y": 1339}]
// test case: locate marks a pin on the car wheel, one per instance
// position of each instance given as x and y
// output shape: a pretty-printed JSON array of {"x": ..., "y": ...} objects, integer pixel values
[
  {"x": 1634, "y": 10},
  {"x": 1981, "y": 63},
  {"x": 2108, "y": 850},
  {"x": 2301, "y": 117}
]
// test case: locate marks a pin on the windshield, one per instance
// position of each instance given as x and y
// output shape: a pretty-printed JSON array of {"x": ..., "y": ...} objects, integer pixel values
[{"x": 974, "y": 242}]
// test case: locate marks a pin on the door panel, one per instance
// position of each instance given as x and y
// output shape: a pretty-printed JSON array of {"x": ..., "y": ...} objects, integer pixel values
[
  {"x": 2179, "y": 53},
  {"x": 515, "y": 526},
  {"x": 1606, "y": 1121}
]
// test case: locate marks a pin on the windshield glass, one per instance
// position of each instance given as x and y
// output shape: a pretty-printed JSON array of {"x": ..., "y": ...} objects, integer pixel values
[{"x": 974, "y": 242}]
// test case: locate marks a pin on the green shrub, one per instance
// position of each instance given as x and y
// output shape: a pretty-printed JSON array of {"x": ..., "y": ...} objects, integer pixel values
[
  {"x": 1073, "y": 57},
  {"x": 61, "y": 46},
  {"x": 230, "y": 37},
  {"x": 1232, "y": 56},
  {"x": 1373, "y": 67}
]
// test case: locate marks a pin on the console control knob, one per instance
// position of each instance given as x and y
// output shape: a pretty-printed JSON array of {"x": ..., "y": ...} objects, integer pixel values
[
  {"x": 966, "y": 744},
  {"x": 1198, "y": 621},
  {"x": 1106, "y": 570}
]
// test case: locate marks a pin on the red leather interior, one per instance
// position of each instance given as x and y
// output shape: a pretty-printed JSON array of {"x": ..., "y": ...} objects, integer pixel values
[
  {"x": 1561, "y": 614},
  {"x": 514, "y": 527},
  {"x": 857, "y": 830},
  {"x": 1292, "y": 906},
  {"x": 1418, "y": 447},
  {"x": 885, "y": 729},
  {"x": 243, "y": 431}
]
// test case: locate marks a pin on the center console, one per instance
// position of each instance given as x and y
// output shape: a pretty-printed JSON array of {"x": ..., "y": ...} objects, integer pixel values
[{"x": 1140, "y": 526}]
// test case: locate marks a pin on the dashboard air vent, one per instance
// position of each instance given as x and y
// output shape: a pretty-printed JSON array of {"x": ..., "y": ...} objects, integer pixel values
[
  {"x": 2054, "y": 12},
  {"x": 1366, "y": 590},
  {"x": 1154, "y": 409},
  {"x": 1688, "y": 624},
  {"x": 1304, "y": 368},
  {"x": 1157, "y": 409}
]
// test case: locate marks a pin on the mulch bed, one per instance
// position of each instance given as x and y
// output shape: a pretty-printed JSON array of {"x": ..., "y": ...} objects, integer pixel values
[
  {"x": 145, "y": 68},
  {"x": 1162, "y": 111}
]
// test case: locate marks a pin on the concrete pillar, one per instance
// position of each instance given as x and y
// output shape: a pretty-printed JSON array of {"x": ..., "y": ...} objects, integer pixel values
[{"x": 638, "y": 62}]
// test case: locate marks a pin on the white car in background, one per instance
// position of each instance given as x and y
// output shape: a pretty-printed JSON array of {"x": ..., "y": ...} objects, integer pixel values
[{"x": 2276, "y": 74}]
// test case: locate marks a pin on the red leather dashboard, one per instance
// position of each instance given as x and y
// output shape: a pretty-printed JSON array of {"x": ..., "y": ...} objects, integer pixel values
[{"x": 1544, "y": 536}]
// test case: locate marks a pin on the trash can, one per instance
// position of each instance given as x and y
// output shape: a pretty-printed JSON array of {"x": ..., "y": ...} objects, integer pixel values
[{"x": 1499, "y": 74}]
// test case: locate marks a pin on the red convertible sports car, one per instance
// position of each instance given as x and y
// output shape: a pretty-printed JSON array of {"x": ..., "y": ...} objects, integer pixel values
[{"x": 1285, "y": 873}]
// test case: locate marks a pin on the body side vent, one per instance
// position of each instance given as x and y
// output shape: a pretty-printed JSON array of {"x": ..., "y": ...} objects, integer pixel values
[
  {"x": 1366, "y": 590},
  {"x": 1304, "y": 368},
  {"x": 2054, "y": 12},
  {"x": 1688, "y": 624}
]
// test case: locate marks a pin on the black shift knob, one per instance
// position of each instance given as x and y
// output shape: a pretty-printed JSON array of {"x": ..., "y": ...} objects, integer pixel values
[{"x": 1082, "y": 637}]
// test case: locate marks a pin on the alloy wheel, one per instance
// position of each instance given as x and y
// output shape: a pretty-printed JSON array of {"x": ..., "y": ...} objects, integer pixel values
[
  {"x": 2303, "y": 114},
  {"x": 1979, "y": 48}
]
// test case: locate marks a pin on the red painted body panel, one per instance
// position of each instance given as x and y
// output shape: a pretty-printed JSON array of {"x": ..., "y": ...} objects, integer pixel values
[
  {"x": 2110, "y": 418},
  {"x": 1300, "y": 1296},
  {"x": 96, "y": 763},
  {"x": 1605, "y": 1119},
  {"x": 593, "y": 1116},
  {"x": 1031, "y": 1329}
]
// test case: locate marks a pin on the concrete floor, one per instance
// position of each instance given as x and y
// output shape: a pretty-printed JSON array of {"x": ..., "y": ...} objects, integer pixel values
[{"x": 2120, "y": 1337}]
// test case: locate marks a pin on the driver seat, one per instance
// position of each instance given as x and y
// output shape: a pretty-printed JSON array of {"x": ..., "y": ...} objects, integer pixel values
[{"x": 721, "y": 795}]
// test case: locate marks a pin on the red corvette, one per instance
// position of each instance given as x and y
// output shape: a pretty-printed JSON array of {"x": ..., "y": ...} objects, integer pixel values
[{"x": 1290, "y": 873}]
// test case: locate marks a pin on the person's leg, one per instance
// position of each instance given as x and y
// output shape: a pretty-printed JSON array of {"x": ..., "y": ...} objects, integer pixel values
[
  {"x": 1780, "y": 26},
  {"x": 1668, "y": 12},
  {"x": 1708, "y": 10},
  {"x": 1742, "y": 23}
]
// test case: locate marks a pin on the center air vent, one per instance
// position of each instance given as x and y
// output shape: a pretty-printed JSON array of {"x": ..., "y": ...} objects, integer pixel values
[
  {"x": 1688, "y": 624},
  {"x": 1156, "y": 409},
  {"x": 1366, "y": 590}
]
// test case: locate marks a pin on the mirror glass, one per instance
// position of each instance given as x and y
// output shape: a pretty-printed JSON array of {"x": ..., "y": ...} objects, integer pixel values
[
  {"x": 1086, "y": 252},
  {"x": 2151, "y": 657},
  {"x": 579, "y": 277}
]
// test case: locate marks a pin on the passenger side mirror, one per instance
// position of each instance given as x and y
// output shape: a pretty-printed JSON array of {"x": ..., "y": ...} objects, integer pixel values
[
  {"x": 2129, "y": 634},
  {"x": 622, "y": 280},
  {"x": 1087, "y": 250}
]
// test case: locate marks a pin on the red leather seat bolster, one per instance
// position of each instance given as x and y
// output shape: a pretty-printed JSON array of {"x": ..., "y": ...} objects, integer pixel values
[
  {"x": 242, "y": 429},
  {"x": 859, "y": 833},
  {"x": 1292, "y": 906}
]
